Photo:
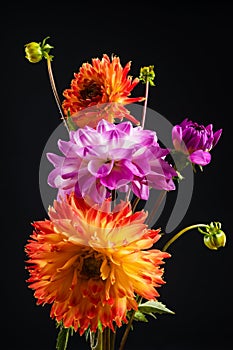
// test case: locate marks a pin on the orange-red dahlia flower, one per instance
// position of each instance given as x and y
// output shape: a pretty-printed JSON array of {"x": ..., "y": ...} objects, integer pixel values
[
  {"x": 91, "y": 262},
  {"x": 99, "y": 91}
]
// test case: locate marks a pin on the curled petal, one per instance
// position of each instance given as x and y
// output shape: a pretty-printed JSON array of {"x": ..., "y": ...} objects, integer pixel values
[{"x": 200, "y": 157}]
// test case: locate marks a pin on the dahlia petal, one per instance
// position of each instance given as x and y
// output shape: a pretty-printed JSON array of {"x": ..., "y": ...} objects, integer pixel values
[
  {"x": 86, "y": 137},
  {"x": 209, "y": 128},
  {"x": 55, "y": 159},
  {"x": 127, "y": 164},
  {"x": 144, "y": 136},
  {"x": 193, "y": 142},
  {"x": 125, "y": 127},
  {"x": 217, "y": 136},
  {"x": 57, "y": 181},
  {"x": 140, "y": 189},
  {"x": 69, "y": 149},
  {"x": 96, "y": 191},
  {"x": 99, "y": 169},
  {"x": 104, "y": 126},
  {"x": 208, "y": 144},
  {"x": 120, "y": 153},
  {"x": 142, "y": 162},
  {"x": 177, "y": 136},
  {"x": 118, "y": 177},
  {"x": 200, "y": 157}
]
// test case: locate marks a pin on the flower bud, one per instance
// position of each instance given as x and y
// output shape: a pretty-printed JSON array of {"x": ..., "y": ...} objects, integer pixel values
[
  {"x": 214, "y": 237},
  {"x": 195, "y": 141},
  {"x": 147, "y": 74},
  {"x": 34, "y": 52},
  {"x": 215, "y": 241}
]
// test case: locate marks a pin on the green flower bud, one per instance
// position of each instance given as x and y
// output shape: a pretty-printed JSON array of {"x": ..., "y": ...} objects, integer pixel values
[
  {"x": 215, "y": 241},
  {"x": 214, "y": 237},
  {"x": 36, "y": 51},
  {"x": 147, "y": 74},
  {"x": 33, "y": 51}
]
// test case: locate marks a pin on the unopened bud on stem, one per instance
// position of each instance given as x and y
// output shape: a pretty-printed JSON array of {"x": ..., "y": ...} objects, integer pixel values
[
  {"x": 36, "y": 51},
  {"x": 214, "y": 237}
]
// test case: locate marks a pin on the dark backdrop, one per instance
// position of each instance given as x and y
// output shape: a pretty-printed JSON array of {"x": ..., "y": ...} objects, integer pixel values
[{"x": 190, "y": 46}]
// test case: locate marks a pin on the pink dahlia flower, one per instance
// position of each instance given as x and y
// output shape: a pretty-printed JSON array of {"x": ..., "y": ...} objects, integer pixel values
[
  {"x": 110, "y": 157},
  {"x": 195, "y": 140}
]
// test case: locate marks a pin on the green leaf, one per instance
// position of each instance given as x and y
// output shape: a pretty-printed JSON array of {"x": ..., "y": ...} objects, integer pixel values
[
  {"x": 62, "y": 338},
  {"x": 139, "y": 316},
  {"x": 71, "y": 124},
  {"x": 151, "y": 307}
]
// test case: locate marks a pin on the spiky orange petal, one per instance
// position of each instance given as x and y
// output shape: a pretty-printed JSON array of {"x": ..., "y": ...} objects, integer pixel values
[{"x": 89, "y": 263}]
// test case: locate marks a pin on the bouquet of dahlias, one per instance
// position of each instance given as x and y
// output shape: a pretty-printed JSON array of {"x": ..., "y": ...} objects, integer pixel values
[{"x": 95, "y": 258}]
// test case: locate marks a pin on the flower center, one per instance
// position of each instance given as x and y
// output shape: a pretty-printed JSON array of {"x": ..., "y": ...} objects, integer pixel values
[
  {"x": 91, "y": 91},
  {"x": 91, "y": 267}
]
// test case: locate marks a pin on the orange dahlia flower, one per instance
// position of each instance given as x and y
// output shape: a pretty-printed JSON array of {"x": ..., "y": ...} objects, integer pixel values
[
  {"x": 99, "y": 91},
  {"x": 91, "y": 262}
]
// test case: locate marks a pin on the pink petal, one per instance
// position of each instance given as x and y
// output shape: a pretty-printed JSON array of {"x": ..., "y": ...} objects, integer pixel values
[{"x": 200, "y": 157}]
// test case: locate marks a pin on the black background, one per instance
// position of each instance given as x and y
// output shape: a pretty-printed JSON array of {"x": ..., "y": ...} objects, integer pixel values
[{"x": 190, "y": 46}]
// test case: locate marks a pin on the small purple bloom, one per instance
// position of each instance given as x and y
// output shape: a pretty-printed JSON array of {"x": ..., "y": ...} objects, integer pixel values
[
  {"x": 110, "y": 157},
  {"x": 195, "y": 141}
]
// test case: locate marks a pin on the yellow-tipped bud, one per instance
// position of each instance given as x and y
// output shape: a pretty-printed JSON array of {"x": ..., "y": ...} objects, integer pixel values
[
  {"x": 147, "y": 74},
  {"x": 36, "y": 51}
]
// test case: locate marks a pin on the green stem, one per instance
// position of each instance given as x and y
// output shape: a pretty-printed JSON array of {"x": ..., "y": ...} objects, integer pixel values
[
  {"x": 52, "y": 82},
  {"x": 145, "y": 104},
  {"x": 135, "y": 203},
  {"x": 96, "y": 343},
  {"x": 174, "y": 238},
  {"x": 112, "y": 340},
  {"x": 127, "y": 330},
  {"x": 108, "y": 339},
  {"x": 62, "y": 339}
]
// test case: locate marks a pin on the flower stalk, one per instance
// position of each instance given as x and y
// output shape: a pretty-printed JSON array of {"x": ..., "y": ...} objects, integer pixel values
[
  {"x": 180, "y": 233},
  {"x": 147, "y": 76},
  {"x": 145, "y": 104},
  {"x": 214, "y": 237},
  {"x": 53, "y": 86},
  {"x": 128, "y": 327},
  {"x": 96, "y": 342},
  {"x": 35, "y": 52}
]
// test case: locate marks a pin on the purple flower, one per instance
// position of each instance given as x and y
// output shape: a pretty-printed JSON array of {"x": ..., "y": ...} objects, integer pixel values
[
  {"x": 110, "y": 157},
  {"x": 195, "y": 141}
]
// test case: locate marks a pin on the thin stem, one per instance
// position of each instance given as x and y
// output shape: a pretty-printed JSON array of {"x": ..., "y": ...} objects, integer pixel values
[
  {"x": 52, "y": 82},
  {"x": 174, "y": 238},
  {"x": 127, "y": 195},
  {"x": 112, "y": 340},
  {"x": 135, "y": 203},
  {"x": 126, "y": 333},
  {"x": 108, "y": 340},
  {"x": 145, "y": 104},
  {"x": 156, "y": 206},
  {"x": 62, "y": 339},
  {"x": 96, "y": 344},
  {"x": 105, "y": 340},
  {"x": 113, "y": 201}
]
